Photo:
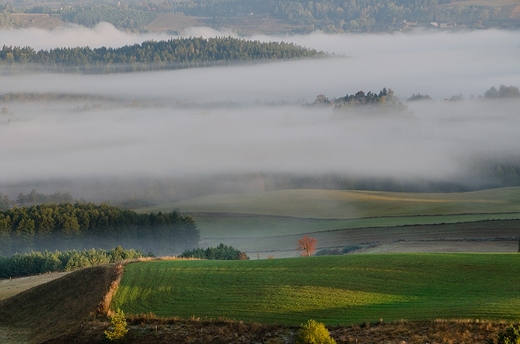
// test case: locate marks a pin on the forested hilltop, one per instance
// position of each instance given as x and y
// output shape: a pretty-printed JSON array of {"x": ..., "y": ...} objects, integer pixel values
[
  {"x": 267, "y": 16},
  {"x": 68, "y": 226},
  {"x": 152, "y": 55}
]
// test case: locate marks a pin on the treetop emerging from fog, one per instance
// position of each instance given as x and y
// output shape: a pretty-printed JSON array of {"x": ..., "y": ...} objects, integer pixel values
[{"x": 152, "y": 55}]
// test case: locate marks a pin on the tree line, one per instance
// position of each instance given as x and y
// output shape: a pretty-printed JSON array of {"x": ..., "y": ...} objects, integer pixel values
[
  {"x": 85, "y": 225},
  {"x": 35, "y": 263},
  {"x": 372, "y": 102},
  {"x": 221, "y": 252},
  {"x": 151, "y": 55},
  {"x": 343, "y": 16},
  {"x": 123, "y": 18}
]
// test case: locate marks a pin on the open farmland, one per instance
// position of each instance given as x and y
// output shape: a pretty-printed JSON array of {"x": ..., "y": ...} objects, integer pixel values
[
  {"x": 334, "y": 290},
  {"x": 342, "y": 204},
  {"x": 269, "y": 223}
]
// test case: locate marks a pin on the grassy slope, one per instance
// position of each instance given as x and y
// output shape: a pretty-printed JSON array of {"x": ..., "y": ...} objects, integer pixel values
[
  {"x": 11, "y": 287},
  {"x": 335, "y": 290},
  {"x": 59, "y": 306},
  {"x": 278, "y": 217},
  {"x": 340, "y": 204}
]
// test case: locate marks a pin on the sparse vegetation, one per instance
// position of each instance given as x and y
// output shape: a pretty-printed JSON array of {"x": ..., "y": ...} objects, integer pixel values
[{"x": 510, "y": 335}]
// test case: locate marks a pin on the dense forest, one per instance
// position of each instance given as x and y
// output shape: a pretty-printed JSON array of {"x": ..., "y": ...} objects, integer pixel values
[
  {"x": 152, "y": 55},
  {"x": 67, "y": 226}
]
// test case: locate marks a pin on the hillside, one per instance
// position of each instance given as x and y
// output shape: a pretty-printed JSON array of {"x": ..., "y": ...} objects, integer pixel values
[
  {"x": 59, "y": 306},
  {"x": 344, "y": 204},
  {"x": 250, "y": 17},
  {"x": 65, "y": 308},
  {"x": 269, "y": 223}
]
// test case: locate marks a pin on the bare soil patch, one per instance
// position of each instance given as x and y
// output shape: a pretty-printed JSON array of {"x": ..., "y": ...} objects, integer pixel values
[{"x": 60, "y": 306}]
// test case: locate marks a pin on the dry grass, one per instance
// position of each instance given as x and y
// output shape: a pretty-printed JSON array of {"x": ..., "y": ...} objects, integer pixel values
[
  {"x": 11, "y": 287},
  {"x": 59, "y": 306},
  {"x": 149, "y": 329}
]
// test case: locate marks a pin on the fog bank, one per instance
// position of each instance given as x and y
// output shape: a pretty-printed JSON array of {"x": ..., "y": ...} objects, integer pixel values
[{"x": 152, "y": 132}]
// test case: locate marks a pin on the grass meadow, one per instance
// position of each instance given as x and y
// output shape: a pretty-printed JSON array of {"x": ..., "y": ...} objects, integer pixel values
[
  {"x": 269, "y": 223},
  {"x": 341, "y": 204},
  {"x": 336, "y": 290}
]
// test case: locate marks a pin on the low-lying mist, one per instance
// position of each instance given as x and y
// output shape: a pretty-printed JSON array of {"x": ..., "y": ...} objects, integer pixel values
[{"x": 250, "y": 119}]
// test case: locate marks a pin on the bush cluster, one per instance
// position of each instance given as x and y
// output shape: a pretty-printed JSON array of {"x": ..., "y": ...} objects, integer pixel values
[
  {"x": 314, "y": 332},
  {"x": 221, "y": 252},
  {"x": 35, "y": 263}
]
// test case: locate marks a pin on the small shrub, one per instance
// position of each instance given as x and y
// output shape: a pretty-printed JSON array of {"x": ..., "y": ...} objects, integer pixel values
[
  {"x": 314, "y": 333},
  {"x": 511, "y": 335},
  {"x": 118, "y": 327}
]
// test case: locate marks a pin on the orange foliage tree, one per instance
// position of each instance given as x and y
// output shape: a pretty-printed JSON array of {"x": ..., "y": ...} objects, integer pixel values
[{"x": 307, "y": 245}]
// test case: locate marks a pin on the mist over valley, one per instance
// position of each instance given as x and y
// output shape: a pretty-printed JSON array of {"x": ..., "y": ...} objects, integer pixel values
[{"x": 252, "y": 120}]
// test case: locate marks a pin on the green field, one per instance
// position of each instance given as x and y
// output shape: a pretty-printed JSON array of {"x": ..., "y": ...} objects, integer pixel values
[
  {"x": 336, "y": 290},
  {"x": 341, "y": 204},
  {"x": 270, "y": 222}
]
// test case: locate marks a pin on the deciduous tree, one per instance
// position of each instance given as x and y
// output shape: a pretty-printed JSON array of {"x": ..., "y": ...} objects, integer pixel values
[{"x": 307, "y": 245}]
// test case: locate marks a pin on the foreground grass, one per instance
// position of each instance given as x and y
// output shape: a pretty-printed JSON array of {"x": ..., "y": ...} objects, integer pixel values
[{"x": 334, "y": 290}]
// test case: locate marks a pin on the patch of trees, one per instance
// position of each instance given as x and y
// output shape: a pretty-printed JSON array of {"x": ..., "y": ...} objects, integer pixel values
[
  {"x": 53, "y": 97},
  {"x": 384, "y": 101},
  {"x": 151, "y": 55},
  {"x": 418, "y": 96},
  {"x": 36, "y": 263},
  {"x": 502, "y": 92},
  {"x": 120, "y": 17},
  {"x": 221, "y": 252},
  {"x": 34, "y": 198},
  {"x": 84, "y": 225}
]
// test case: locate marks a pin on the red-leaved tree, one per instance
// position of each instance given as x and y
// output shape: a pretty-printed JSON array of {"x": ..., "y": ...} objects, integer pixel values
[{"x": 307, "y": 245}]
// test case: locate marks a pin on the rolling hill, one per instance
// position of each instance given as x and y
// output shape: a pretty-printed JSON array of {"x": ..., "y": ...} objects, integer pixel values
[{"x": 271, "y": 222}]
